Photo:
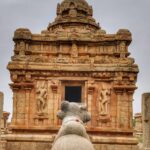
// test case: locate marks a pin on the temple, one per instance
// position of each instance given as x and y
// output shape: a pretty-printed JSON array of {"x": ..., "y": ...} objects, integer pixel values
[{"x": 74, "y": 59}]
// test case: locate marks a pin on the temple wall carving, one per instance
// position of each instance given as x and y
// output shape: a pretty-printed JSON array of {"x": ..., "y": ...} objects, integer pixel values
[{"x": 108, "y": 96}]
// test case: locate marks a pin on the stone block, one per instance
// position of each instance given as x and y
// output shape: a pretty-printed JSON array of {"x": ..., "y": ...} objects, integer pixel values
[{"x": 146, "y": 120}]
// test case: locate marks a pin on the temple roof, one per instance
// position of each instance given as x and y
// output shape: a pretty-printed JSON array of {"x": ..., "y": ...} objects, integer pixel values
[
  {"x": 74, "y": 11},
  {"x": 79, "y": 4}
]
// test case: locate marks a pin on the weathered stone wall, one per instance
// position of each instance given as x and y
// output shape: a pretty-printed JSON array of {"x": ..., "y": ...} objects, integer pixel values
[
  {"x": 1, "y": 105},
  {"x": 138, "y": 128},
  {"x": 146, "y": 120}
]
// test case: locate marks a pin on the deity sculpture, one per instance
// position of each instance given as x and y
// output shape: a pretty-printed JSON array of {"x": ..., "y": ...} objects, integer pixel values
[
  {"x": 41, "y": 98},
  {"x": 104, "y": 98},
  {"x": 22, "y": 48}
]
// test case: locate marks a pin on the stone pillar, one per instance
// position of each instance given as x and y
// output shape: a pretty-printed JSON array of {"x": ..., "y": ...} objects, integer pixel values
[
  {"x": 1, "y": 105},
  {"x": 138, "y": 125},
  {"x": 146, "y": 120},
  {"x": 90, "y": 97},
  {"x": 5, "y": 117},
  {"x": 1, "y": 109}
]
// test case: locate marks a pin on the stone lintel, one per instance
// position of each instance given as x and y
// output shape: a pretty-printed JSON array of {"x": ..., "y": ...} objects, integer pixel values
[
  {"x": 71, "y": 67},
  {"x": 48, "y": 129},
  {"x": 19, "y": 35},
  {"x": 120, "y": 88}
]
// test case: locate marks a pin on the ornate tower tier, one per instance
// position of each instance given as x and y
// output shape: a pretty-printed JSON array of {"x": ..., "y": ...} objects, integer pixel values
[{"x": 73, "y": 59}]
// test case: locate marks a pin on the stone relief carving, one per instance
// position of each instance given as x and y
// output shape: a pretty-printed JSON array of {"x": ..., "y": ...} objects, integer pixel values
[
  {"x": 22, "y": 48},
  {"x": 74, "y": 52},
  {"x": 104, "y": 99},
  {"x": 73, "y": 11},
  {"x": 123, "y": 49},
  {"x": 41, "y": 92}
]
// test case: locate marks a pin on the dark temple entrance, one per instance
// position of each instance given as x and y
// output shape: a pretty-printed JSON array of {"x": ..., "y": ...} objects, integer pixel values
[{"x": 73, "y": 93}]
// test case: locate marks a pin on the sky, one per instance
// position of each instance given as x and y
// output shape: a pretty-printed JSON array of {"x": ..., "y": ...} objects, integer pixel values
[{"x": 112, "y": 16}]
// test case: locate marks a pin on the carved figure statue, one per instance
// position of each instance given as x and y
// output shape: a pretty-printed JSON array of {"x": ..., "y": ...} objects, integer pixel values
[
  {"x": 74, "y": 50},
  {"x": 104, "y": 97},
  {"x": 123, "y": 49},
  {"x": 73, "y": 11},
  {"x": 72, "y": 134},
  {"x": 41, "y": 98},
  {"x": 22, "y": 48}
]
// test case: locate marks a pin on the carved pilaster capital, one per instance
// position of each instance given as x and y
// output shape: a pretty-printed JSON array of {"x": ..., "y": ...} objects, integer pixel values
[
  {"x": 18, "y": 86},
  {"x": 124, "y": 88},
  {"x": 14, "y": 77},
  {"x": 91, "y": 89},
  {"x": 54, "y": 88}
]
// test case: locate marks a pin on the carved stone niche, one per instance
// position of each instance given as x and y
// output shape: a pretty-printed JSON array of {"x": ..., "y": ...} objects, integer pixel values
[
  {"x": 91, "y": 89},
  {"x": 41, "y": 98},
  {"x": 103, "y": 99},
  {"x": 54, "y": 88},
  {"x": 91, "y": 86},
  {"x": 17, "y": 86},
  {"x": 40, "y": 120},
  {"x": 54, "y": 85}
]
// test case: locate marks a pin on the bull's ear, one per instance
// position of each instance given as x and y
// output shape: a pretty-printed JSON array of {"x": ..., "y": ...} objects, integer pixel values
[
  {"x": 83, "y": 107},
  {"x": 65, "y": 106},
  {"x": 86, "y": 117},
  {"x": 61, "y": 115}
]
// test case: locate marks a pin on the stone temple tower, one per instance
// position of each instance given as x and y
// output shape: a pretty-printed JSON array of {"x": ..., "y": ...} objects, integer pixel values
[{"x": 74, "y": 59}]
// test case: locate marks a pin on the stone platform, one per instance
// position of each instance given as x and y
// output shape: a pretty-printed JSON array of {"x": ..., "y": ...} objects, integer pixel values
[{"x": 43, "y": 142}]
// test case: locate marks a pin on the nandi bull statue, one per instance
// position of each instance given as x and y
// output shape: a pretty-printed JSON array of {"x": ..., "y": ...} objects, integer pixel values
[{"x": 72, "y": 134}]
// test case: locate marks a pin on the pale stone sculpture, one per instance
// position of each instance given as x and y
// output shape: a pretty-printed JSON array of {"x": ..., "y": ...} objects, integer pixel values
[
  {"x": 146, "y": 120},
  {"x": 72, "y": 134}
]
